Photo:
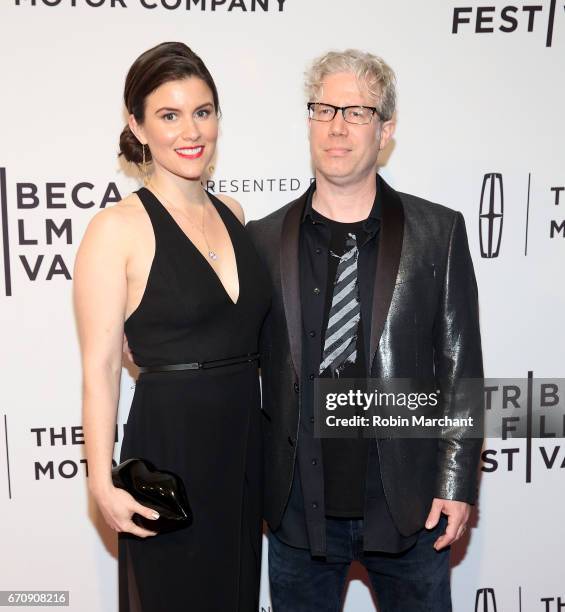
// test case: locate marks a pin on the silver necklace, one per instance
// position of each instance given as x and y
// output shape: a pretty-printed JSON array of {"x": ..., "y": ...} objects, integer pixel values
[{"x": 211, "y": 253}]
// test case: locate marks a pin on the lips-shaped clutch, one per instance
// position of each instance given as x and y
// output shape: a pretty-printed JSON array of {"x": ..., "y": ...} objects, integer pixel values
[{"x": 157, "y": 489}]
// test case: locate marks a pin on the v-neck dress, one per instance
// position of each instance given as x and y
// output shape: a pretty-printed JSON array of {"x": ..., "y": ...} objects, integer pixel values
[{"x": 202, "y": 424}]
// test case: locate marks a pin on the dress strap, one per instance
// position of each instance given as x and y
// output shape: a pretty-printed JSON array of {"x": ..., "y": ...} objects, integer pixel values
[{"x": 154, "y": 209}]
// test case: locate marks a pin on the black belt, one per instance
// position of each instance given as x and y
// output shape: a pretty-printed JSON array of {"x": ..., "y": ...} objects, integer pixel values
[{"x": 200, "y": 365}]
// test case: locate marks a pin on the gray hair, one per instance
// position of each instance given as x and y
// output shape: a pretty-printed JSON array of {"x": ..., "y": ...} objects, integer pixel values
[{"x": 371, "y": 71}]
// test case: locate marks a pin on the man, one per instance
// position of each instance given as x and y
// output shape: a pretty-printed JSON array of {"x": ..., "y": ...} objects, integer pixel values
[{"x": 367, "y": 282}]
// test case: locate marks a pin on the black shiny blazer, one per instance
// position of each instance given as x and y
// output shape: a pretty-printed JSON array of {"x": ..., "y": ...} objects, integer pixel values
[{"x": 425, "y": 324}]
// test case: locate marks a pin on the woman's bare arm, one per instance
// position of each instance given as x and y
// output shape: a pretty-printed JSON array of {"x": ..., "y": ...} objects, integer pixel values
[{"x": 100, "y": 294}]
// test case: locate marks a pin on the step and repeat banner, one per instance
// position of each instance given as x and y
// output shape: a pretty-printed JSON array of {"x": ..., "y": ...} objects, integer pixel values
[{"x": 480, "y": 129}]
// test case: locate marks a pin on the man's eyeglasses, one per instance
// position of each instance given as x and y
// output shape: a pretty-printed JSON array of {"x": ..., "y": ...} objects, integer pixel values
[{"x": 359, "y": 115}]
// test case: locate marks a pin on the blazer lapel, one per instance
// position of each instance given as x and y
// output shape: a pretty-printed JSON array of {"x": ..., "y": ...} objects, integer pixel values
[
  {"x": 290, "y": 278},
  {"x": 390, "y": 249}
]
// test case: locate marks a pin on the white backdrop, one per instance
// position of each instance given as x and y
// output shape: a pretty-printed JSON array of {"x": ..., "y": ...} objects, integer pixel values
[{"x": 486, "y": 98}]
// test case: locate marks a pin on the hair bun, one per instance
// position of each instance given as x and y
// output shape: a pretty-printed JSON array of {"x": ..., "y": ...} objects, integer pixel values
[{"x": 131, "y": 148}]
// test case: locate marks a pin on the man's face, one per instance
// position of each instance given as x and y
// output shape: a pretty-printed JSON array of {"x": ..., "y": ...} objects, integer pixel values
[{"x": 345, "y": 153}]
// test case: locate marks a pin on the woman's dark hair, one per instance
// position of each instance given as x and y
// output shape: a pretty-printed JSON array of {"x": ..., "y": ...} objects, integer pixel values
[{"x": 169, "y": 61}]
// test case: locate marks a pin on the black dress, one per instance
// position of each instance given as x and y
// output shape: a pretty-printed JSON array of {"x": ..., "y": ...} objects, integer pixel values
[{"x": 202, "y": 424}]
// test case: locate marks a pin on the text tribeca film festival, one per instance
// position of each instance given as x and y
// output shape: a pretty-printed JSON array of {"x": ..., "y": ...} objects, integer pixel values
[
  {"x": 493, "y": 18},
  {"x": 37, "y": 219},
  {"x": 505, "y": 19}
]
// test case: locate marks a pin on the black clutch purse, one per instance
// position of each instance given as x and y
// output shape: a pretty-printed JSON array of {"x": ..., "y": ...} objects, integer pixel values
[{"x": 157, "y": 489}]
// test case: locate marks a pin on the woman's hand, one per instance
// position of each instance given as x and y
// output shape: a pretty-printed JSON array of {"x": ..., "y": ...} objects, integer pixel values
[{"x": 118, "y": 507}]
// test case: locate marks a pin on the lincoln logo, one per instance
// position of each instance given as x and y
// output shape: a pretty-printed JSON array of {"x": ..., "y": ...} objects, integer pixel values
[
  {"x": 491, "y": 214},
  {"x": 485, "y": 601}
]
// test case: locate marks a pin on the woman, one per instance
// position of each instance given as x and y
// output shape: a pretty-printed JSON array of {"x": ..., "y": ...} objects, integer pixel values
[{"x": 172, "y": 266}]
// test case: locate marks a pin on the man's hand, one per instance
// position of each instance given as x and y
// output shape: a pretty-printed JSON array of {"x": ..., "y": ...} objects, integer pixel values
[
  {"x": 457, "y": 516},
  {"x": 126, "y": 350}
]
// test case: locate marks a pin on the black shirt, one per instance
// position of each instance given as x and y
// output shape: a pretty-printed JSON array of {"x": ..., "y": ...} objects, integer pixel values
[
  {"x": 342, "y": 356},
  {"x": 303, "y": 523}
]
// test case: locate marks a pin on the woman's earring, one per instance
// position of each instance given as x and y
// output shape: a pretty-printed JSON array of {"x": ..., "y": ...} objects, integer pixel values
[
  {"x": 211, "y": 170},
  {"x": 144, "y": 170}
]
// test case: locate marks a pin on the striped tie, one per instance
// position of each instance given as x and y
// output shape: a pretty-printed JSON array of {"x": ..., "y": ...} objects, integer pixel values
[{"x": 340, "y": 344}]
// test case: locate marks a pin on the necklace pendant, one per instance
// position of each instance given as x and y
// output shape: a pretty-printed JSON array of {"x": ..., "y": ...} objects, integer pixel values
[{"x": 212, "y": 255}]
